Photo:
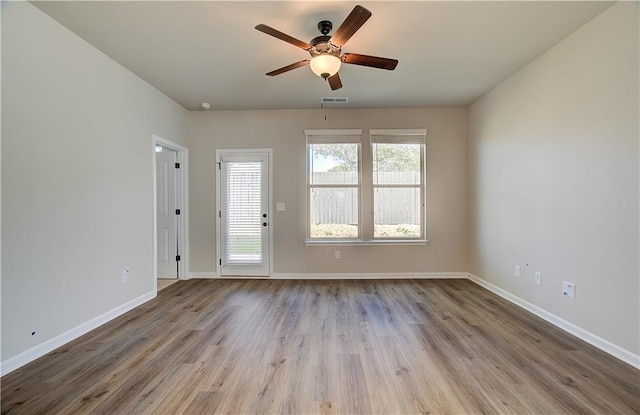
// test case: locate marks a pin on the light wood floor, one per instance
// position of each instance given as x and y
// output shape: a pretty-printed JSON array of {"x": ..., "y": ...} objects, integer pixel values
[{"x": 341, "y": 347}]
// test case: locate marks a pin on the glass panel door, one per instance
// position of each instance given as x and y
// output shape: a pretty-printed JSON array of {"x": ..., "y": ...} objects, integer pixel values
[{"x": 244, "y": 221}]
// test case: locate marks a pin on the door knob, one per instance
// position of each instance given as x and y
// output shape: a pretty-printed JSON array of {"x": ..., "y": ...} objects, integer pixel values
[{"x": 264, "y": 223}]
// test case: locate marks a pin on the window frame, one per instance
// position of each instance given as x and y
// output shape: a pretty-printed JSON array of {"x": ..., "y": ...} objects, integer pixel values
[
  {"x": 365, "y": 186},
  {"x": 345, "y": 136},
  {"x": 400, "y": 136}
]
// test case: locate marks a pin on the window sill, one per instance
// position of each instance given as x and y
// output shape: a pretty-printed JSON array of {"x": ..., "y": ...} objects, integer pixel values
[{"x": 379, "y": 242}]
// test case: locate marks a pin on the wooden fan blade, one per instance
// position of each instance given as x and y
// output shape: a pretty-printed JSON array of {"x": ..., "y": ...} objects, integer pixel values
[
  {"x": 371, "y": 61},
  {"x": 283, "y": 36},
  {"x": 358, "y": 16},
  {"x": 288, "y": 67},
  {"x": 335, "y": 82}
]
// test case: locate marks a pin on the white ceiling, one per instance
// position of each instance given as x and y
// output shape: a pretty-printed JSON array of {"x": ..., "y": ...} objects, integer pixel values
[{"x": 450, "y": 52}]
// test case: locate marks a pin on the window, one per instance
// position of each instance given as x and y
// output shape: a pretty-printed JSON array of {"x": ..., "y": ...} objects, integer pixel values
[
  {"x": 398, "y": 184},
  {"x": 390, "y": 188},
  {"x": 333, "y": 157}
]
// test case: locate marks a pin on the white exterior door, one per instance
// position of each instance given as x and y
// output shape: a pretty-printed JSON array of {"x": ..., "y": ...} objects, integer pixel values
[
  {"x": 243, "y": 213},
  {"x": 167, "y": 235}
]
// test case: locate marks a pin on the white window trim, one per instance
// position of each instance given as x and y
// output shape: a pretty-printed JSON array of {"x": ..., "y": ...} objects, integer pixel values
[{"x": 360, "y": 242}]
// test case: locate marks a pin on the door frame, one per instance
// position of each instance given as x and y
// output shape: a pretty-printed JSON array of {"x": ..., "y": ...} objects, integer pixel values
[
  {"x": 182, "y": 199},
  {"x": 269, "y": 153}
]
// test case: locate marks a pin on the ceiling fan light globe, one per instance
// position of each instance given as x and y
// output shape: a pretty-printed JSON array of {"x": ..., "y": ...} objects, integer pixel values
[{"x": 325, "y": 65}]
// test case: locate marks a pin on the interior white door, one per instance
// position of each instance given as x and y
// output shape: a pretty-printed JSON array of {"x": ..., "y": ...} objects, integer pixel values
[
  {"x": 167, "y": 235},
  {"x": 244, "y": 222}
]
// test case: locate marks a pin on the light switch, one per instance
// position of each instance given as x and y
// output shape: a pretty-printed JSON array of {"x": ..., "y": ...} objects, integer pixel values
[{"x": 280, "y": 206}]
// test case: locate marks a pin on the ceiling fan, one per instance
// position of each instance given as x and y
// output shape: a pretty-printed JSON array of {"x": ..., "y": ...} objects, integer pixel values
[{"x": 326, "y": 51}]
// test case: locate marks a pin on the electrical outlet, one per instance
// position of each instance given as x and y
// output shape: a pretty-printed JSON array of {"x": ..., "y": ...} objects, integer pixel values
[
  {"x": 518, "y": 271},
  {"x": 336, "y": 254},
  {"x": 538, "y": 278},
  {"x": 125, "y": 275},
  {"x": 568, "y": 289}
]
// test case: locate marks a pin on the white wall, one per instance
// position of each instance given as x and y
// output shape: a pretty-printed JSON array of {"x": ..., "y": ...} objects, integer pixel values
[
  {"x": 553, "y": 177},
  {"x": 76, "y": 179},
  {"x": 283, "y": 131}
]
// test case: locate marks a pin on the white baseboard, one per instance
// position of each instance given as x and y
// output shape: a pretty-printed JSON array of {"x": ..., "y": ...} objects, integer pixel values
[
  {"x": 42, "y": 349},
  {"x": 368, "y": 275},
  {"x": 341, "y": 275},
  {"x": 597, "y": 341},
  {"x": 203, "y": 275}
]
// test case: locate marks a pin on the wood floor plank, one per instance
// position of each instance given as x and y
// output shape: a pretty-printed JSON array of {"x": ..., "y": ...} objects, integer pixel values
[{"x": 324, "y": 347}]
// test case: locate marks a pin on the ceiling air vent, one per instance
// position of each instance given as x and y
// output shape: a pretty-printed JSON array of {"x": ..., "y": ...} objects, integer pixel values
[{"x": 334, "y": 100}]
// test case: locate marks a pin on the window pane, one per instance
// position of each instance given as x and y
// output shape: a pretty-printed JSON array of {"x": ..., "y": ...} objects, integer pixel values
[
  {"x": 397, "y": 212},
  {"x": 334, "y": 163},
  {"x": 396, "y": 163},
  {"x": 334, "y": 213}
]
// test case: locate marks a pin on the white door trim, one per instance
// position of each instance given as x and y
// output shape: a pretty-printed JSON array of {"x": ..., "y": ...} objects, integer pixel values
[
  {"x": 182, "y": 184},
  {"x": 269, "y": 153}
]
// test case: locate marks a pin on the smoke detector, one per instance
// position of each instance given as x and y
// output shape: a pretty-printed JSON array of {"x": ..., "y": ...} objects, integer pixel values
[{"x": 205, "y": 106}]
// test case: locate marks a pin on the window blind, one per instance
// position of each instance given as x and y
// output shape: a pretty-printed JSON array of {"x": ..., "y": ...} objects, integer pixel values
[
  {"x": 333, "y": 136},
  {"x": 242, "y": 216},
  {"x": 414, "y": 136}
]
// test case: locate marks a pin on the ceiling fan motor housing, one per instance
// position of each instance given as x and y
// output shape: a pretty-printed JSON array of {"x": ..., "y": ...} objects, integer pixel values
[{"x": 321, "y": 44}]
